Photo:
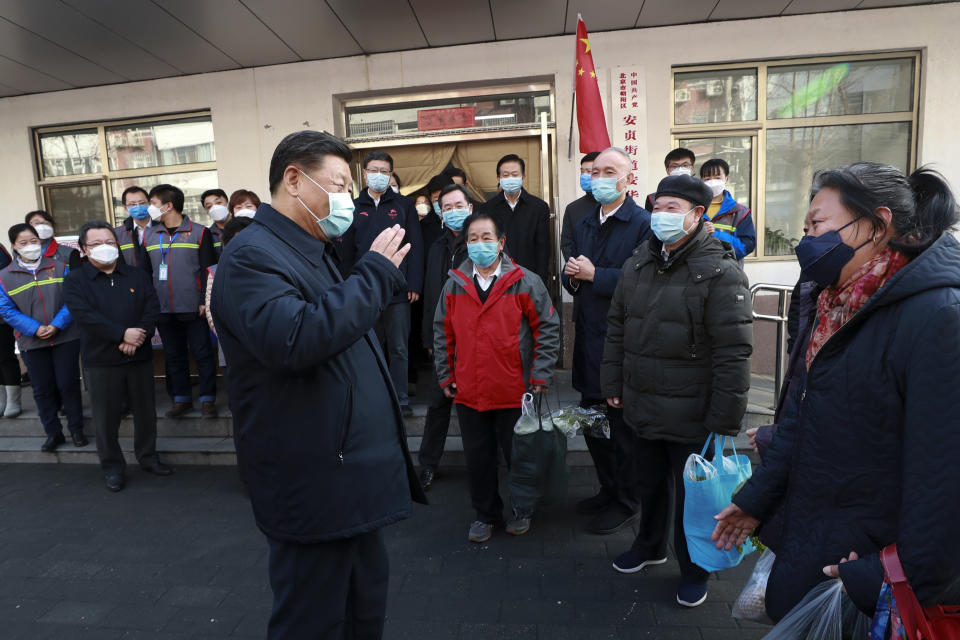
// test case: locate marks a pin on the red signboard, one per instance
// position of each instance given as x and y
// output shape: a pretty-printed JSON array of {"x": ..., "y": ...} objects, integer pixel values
[{"x": 450, "y": 118}]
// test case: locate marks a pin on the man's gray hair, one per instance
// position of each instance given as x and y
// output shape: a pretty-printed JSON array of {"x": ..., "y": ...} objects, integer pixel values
[{"x": 624, "y": 154}]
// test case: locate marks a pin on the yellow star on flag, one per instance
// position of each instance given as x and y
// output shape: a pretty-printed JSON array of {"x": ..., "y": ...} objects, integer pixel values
[
  {"x": 580, "y": 72},
  {"x": 593, "y": 75},
  {"x": 586, "y": 41}
]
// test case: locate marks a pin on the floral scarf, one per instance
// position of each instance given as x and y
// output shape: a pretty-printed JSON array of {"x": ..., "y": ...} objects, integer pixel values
[{"x": 836, "y": 305}]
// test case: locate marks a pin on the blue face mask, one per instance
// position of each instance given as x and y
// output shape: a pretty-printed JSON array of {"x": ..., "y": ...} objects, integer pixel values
[
  {"x": 605, "y": 190},
  {"x": 823, "y": 257},
  {"x": 511, "y": 186},
  {"x": 436, "y": 208},
  {"x": 585, "y": 182},
  {"x": 139, "y": 212},
  {"x": 668, "y": 226},
  {"x": 453, "y": 219},
  {"x": 483, "y": 254},
  {"x": 341, "y": 212},
  {"x": 378, "y": 182}
]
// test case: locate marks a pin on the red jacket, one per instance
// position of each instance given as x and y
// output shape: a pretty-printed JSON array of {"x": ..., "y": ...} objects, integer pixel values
[{"x": 495, "y": 351}]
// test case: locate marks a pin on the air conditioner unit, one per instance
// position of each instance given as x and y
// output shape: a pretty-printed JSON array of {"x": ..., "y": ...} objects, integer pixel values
[
  {"x": 681, "y": 95},
  {"x": 715, "y": 88}
]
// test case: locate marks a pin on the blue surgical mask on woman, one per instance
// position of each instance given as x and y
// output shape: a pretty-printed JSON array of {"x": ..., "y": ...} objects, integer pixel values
[
  {"x": 605, "y": 189},
  {"x": 436, "y": 208},
  {"x": 139, "y": 211},
  {"x": 341, "y": 212},
  {"x": 511, "y": 186},
  {"x": 483, "y": 254},
  {"x": 668, "y": 225},
  {"x": 585, "y": 182},
  {"x": 453, "y": 218},
  {"x": 377, "y": 181},
  {"x": 823, "y": 257}
]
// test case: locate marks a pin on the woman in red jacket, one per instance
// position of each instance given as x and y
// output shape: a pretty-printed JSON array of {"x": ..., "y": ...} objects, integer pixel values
[{"x": 496, "y": 336}]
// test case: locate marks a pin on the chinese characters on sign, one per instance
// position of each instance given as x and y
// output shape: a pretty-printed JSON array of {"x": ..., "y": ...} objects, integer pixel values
[
  {"x": 451, "y": 118},
  {"x": 629, "y": 123}
]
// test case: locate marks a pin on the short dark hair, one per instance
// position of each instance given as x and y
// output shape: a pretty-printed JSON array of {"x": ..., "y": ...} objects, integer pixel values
[
  {"x": 240, "y": 195},
  {"x": 90, "y": 225},
  {"x": 308, "y": 149},
  {"x": 590, "y": 157},
  {"x": 712, "y": 166},
  {"x": 378, "y": 155},
  {"x": 235, "y": 226},
  {"x": 456, "y": 172},
  {"x": 19, "y": 228},
  {"x": 169, "y": 194},
  {"x": 483, "y": 215},
  {"x": 438, "y": 182},
  {"x": 43, "y": 214},
  {"x": 512, "y": 157},
  {"x": 134, "y": 189},
  {"x": 396, "y": 179},
  {"x": 679, "y": 154},
  {"x": 212, "y": 192},
  {"x": 450, "y": 188}
]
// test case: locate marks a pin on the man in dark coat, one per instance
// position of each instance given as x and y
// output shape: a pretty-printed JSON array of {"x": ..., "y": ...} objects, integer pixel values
[
  {"x": 322, "y": 446},
  {"x": 524, "y": 218},
  {"x": 600, "y": 244},
  {"x": 579, "y": 208},
  {"x": 677, "y": 360}
]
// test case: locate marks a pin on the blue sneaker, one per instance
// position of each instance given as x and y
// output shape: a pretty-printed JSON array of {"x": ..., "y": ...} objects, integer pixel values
[
  {"x": 631, "y": 562},
  {"x": 691, "y": 595}
]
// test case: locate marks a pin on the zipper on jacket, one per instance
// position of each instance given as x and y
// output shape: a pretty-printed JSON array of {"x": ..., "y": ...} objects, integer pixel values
[
  {"x": 348, "y": 417},
  {"x": 43, "y": 305}
]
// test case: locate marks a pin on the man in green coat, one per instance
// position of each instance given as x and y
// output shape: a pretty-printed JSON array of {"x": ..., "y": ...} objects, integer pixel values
[{"x": 677, "y": 360}]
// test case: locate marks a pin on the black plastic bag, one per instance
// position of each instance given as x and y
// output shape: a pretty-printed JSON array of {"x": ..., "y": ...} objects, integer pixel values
[{"x": 538, "y": 468}]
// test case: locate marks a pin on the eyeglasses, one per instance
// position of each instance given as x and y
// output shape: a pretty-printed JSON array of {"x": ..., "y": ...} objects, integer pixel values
[
  {"x": 93, "y": 245},
  {"x": 383, "y": 172}
]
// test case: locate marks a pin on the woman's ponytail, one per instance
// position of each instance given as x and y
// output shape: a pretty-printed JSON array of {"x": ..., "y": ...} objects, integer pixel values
[{"x": 935, "y": 212}]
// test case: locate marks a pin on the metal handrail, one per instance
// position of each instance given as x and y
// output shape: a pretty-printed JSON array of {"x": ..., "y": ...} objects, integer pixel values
[{"x": 782, "y": 291}]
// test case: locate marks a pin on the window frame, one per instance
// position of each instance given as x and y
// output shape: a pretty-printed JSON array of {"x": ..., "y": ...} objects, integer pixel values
[
  {"x": 758, "y": 128},
  {"x": 106, "y": 176}
]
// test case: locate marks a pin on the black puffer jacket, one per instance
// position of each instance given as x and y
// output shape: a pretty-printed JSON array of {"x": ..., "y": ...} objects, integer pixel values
[
  {"x": 871, "y": 455},
  {"x": 679, "y": 339}
]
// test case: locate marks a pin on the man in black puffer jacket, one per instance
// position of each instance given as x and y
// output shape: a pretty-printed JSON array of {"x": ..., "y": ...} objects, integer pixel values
[{"x": 677, "y": 359}]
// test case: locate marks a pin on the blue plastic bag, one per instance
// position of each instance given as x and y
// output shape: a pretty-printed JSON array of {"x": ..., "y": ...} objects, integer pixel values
[{"x": 709, "y": 487}]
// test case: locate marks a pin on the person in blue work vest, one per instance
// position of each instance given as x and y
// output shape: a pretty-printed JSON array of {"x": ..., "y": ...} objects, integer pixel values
[
  {"x": 130, "y": 233},
  {"x": 180, "y": 252},
  {"x": 46, "y": 227},
  {"x": 31, "y": 301},
  {"x": 215, "y": 203},
  {"x": 728, "y": 220}
]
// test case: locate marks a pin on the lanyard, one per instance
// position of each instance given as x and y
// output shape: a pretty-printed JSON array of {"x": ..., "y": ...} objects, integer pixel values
[{"x": 163, "y": 254}]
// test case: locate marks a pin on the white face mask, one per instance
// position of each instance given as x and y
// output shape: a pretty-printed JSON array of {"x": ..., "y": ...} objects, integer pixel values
[
  {"x": 155, "y": 212},
  {"x": 422, "y": 209},
  {"x": 395, "y": 188},
  {"x": 30, "y": 252},
  {"x": 681, "y": 171},
  {"x": 45, "y": 231},
  {"x": 104, "y": 253},
  {"x": 244, "y": 213},
  {"x": 716, "y": 185},
  {"x": 219, "y": 212}
]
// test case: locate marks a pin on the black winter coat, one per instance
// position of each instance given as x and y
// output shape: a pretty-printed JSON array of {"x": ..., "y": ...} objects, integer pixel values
[
  {"x": 370, "y": 219},
  {"x": 572, "y": 215},
  {"x": 322, "y": 445},
  {"x": 527, "y": 228},
  {"x": 446, "y": 253},
  {"x": 870, "y": 456},
  {"x": 679, "y": 339},
  {"x": 608, "y": 246}
]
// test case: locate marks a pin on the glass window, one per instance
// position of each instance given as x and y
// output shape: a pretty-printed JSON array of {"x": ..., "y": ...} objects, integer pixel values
[
  {"x": 431, "y": 116},
  {"x": 72, "y": 205},
  {"x": 160, "y": 144},
  {"x": 737, "y": 151},
  {"x": 794, "y": 155},
  {"x": 193, "y": 184},
  {"x": 839, "y": 89},
  {"x": 70, "y": 153},
  {"x": 728, "y": 95}
]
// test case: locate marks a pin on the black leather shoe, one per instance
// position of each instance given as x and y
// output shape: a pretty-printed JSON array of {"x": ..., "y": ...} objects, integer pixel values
[
  {"x": 79, "y": 440},
  {"x": 611, "y": 520},
  {"x": 115, "y": 482},
  {"x": 593, "y": 504},
  {"x": 158, "y": 469},
  {"x": 427, "y": 476},
  {"x": 50, "y": 444}
]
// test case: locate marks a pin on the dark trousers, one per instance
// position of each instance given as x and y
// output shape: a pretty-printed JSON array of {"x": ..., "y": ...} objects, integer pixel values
[
  {"x": 613, "y": 459},
  {"x": 483, "y": 433},
  {"x": 9, "y": 365},
  {"x": 111, "y": 388},
  {"x": 393, "y": 332},
  {"x": 181, "y": 333},
  {"x": 331, "y": 590},
  {"x": 661, "y": 488},
  {"x": 436, "y": 426},
  {"x": 55, "y": 378}
]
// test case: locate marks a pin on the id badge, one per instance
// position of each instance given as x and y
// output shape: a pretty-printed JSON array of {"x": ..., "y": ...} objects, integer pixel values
[{"x": 162, "y": 274}]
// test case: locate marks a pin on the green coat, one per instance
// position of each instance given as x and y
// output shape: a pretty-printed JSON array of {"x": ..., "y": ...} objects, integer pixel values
[{"x": 679, "y": 339}]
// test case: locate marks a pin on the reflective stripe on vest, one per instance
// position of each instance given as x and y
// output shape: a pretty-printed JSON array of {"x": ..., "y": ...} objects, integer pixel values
[
  {"x": 35, "y": 283},
  {"x": 181, "y": 292},
  {"x": 726, "y": 227}
]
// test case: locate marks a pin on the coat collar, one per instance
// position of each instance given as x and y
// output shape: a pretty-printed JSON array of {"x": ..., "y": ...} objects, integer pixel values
[
  {"x": 365, "y": 197},
  {"x": 45, "y": 263},
  {"x": 292, "y": 234},
  {"x": 92, "y": 272},
  {"x": 510, "y": 273},
  {"x": 702, "y": 252},
  {"x": 185, "y": 225},
  {"x": 626, "y": 211}
]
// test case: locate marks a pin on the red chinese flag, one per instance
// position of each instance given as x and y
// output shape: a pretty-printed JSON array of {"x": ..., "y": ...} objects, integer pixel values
[{"x": 590, "y": 120}]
